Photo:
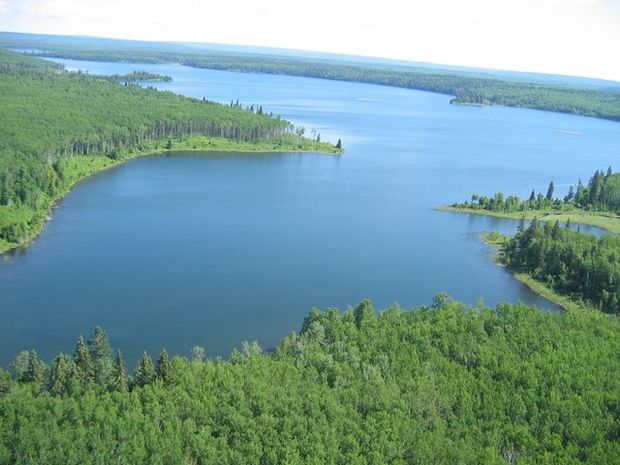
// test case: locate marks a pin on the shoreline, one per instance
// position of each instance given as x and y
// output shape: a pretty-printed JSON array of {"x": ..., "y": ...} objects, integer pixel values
[
  {"x": 496, "y": 241},
  {"x": 606, "y": 221},
  {"x": 195, "y": 144}
]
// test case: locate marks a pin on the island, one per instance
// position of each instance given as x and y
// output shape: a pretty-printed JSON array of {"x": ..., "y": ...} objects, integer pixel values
[{"x": 139, "y": 76}]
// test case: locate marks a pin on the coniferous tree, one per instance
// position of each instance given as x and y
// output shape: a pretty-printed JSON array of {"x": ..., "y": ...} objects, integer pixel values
[
  {"x": 82, "y": 363},
  {"x": 145, "y": 372},
  {"x": 163, "y": 367},
  {"x": 363, "y": 312},
  {"x": 120, "y": 377},
  {"x": 550, "y": 191},
  {"x": 36, "y": 369},
  {"x": 20, "y": 365},
  {"x": 101, "y": 356},
  {"x": 4, "y": 382},
  {"x": 339, "y": 144},
  {"x": 59, "y": 376}
]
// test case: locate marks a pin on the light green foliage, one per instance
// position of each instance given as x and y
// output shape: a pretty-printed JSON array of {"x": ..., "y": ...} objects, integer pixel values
[{"x": 441, "y": 385}]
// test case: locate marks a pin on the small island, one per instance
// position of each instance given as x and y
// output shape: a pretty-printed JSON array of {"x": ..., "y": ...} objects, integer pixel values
[{"x": 140, "y": 76}]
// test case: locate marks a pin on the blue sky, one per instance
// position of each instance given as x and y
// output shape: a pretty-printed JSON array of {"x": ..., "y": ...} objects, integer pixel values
[{"x": 574, "y": 37}]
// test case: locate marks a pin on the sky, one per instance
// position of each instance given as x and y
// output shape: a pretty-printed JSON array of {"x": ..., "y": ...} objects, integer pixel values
[{"x": 571, "y": 37}]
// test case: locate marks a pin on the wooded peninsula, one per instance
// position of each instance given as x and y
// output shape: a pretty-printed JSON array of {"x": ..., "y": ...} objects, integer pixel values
[
  {"x": 573, "y": 265},
  {"x": 57, "y": 127}
]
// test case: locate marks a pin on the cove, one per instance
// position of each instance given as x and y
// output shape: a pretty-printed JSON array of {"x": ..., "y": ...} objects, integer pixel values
[{"x": 212, "y": 249}]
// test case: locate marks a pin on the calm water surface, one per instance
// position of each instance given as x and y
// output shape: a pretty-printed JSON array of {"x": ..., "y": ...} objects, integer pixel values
[{"x": 211, "y": 250}]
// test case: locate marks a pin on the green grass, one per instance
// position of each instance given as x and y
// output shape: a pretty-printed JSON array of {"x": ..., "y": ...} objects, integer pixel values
[
  {"x": 79, "y": 167},
  {"x": 499, "y": 242},
  {"x": 604, "y": 220}
]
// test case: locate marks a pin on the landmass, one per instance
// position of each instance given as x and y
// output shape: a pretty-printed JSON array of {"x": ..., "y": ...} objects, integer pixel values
[
  {"x": 442, "y": 384},
  {"x": 472, "y": 88}
]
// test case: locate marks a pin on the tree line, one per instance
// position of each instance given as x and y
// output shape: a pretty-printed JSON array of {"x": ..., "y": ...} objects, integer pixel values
[
  {"x": 574, "y": 264},
  {"x": 442, "y": 384},
  {"x": 466, "y": 88},
  {"x": 601, "y": 193},
  {"x": 52, "y": 120}
]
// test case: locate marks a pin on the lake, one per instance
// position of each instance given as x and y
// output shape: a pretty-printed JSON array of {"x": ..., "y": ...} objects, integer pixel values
[{"x": 182, "y": 250}]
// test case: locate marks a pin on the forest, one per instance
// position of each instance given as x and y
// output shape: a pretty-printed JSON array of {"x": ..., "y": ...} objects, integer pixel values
[
  {"x": 581, "y": 266},
  {"x": 600, "y": 194},
  {"x": 57, "y": 127},
  {"x": 139, "y": 76},
  {"x": 443, "y": 384},
  {"x": 465, "y": 87}
]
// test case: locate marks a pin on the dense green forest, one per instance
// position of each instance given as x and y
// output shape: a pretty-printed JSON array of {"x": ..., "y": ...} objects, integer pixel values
[
  {"x": 600, "y": 194},
  {"x": 437, "y": 385},
  {"x": 57, "y": 127},
  {"x": 138, "y": 76},
  {"x": 581, "y": 266},
  {"x": 466, "y": 87}
]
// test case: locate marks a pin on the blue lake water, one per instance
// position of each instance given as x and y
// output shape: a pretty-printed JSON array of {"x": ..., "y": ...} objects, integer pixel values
[{"x": 185, "y": 249}]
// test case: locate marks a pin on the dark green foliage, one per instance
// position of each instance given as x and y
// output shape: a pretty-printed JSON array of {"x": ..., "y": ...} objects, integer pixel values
[
  {"x": 574, "y": 264},
  {"x": 139, "y": 76},
  {"x": 84, "y": 370},
  {"x": 363, "y": 313},
  {"x": 20, "y": 365},
  {"x": 164, "y": 370},
  {"x": 101, "y": 356},
  {"x": 145, "y": 371},
  {"x": 442, "y": 385},
  {"x": 120, "y": 377},
  {"x": 601, "y": 194},
  {"x": 36, "y": 369},
  {"x": 59, "y": 376},
  {"x": 339, "y": 144},
  {"x": 5, "y": 383}
]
